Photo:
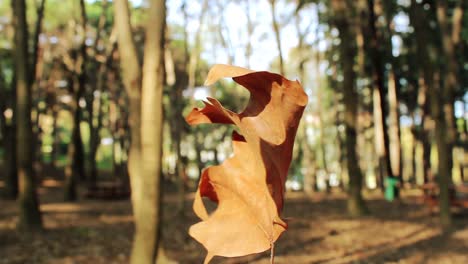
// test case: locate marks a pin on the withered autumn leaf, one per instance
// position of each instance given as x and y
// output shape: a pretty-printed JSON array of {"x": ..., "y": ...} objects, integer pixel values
[{"x": 249, "y": 186}]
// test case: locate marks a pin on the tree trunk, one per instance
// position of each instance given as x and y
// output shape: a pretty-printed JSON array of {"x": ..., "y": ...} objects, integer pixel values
[
  {"x": 75, "y": 169},
  {"x": 444, "y": 171},
  {"x": 394, "y": 127},
  {"x": 74, "y": 156},
  {"x": 379, "y": 95},
  {"x": 146, "y": 125},
  {"x": 424, "y": 129},
  {"x": 384, "y": 9},
  {"x": 8, "y": 141},
  {"x": 347, "y": 49},
  {"x": 55, "y": 135},
  {"x": 177, "y": 122},
  {"x": 94, "y": 138},
  {"x": 79, "y": 157},
  {"x": 197, "y": 49},
  {"x": 277, "y": 32},
  {"x": 438, "y": 99},
  {"x": 147, "y": 188},
  {"x": 448, "y": 57},
  {"x": 307, "y": 162},
  {"x": 446, "y": 132},
  {"x": 29, "y": 215}
]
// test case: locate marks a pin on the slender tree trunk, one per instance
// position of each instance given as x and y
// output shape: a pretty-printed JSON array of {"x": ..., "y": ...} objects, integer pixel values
[
  {"x": 347, "y": 49},
  {"x": 55, "y": 136},
  {"x": 451, "y": 70},
  {"x": 424, "y": 129},
  {"x": 384, "y": 9},
  {"x": 177, "y": 121},
  {"x": 413, "y": 171},
  {"x": 361, "y": 29},
  {"x": 151, "y": 137},
  {"x": 250, "y": 31},
  {"x": 322, "y": 143},
  {"x": 146, "y": 125},
  {"x": 379, "y": 95},
  {"x": 9, "y": 142},
  {"x": 74, "y": 155},
  {"x": 394, "y": 127},
  {"x": 177, "y": 128},
  {"x": 197, "y": 49},
  {"x": 79, "y": 155},
  {"x": 94, "y": 138},
  {"x": 426, "y": 48},
  {"x": 307, "y": 162},
  {"x": 75, "y": 169},
  {"x": 444, "y": 171},
  {"x": 444, "y": 113},
  {"x": 35, "y": 48},
  {"x": 29, "y": 215},
  {"x": 3, "y": 94},
  {"x": 35, "y": 89},
  {"x": 276, "y": 29}
]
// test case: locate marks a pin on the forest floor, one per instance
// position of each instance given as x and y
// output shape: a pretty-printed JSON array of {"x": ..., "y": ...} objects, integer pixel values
[{"x": 92, "y": 231}]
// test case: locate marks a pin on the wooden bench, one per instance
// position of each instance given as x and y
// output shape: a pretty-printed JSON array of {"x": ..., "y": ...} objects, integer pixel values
[{"x": 458, "y": 195}]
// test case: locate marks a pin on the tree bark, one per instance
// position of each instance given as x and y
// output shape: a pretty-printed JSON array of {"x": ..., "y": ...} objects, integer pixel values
[
  {"x": 379, "y": 94},
  {"x": 394, "y": 127},
  {"x": 277, "y": 32},
  {"x": 8, "y": 126},
  {"x": 177, "y": 128},
  {"x": 427, "y": 47},
  {"x": 94, "y": 139},
  {"x": 444, "y": 150},
  {"x": 451, "y": 70},
  {"x": 151, "y": 135},
  {"x": 443, "y": 109},
  {"x": 145, "y": 92},
  {"x": 308, "y": 161},
  {"x": 74, "y": 152},
  {"x": 347, "y": 50},
  {"x": 385, "y": 9},
  {"x": 424, "y": 129},
  {"x": 197, "y": 49},
  {"x": 29, "y": 215},
  {"x": 75, "y": 169}
]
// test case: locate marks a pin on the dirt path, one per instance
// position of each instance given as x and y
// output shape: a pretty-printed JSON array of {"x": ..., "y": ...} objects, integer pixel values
[{"x": 319, "y": 232}]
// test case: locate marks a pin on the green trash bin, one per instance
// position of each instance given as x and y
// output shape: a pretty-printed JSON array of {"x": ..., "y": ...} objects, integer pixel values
[{"x": 391, "y": 188}]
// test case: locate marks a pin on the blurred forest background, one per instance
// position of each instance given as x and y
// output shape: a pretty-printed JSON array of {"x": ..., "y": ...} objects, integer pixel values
[{"x": 93, "y": 96}]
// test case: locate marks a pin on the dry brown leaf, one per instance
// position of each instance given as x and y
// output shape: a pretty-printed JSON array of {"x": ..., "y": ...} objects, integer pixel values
[{"x": 249, "y": 186}]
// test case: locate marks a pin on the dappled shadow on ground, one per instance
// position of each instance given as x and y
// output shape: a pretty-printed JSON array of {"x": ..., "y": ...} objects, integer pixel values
[{"x": 91, "y": 231}]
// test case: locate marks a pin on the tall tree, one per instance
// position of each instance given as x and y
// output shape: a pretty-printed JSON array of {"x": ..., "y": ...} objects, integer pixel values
[
  {"x": 76, "y": 80},
  {"x": 276, "y": 30},
  {"x": 197, "y": 49},
  {"x": 9, "y": 139},
  {"x": 144, "y": 88},
  {"x": 418, "y": 18},
  {"x": 29, "y": 216},
  {"x": 379, "y": 95},
  {"x": 342, "y": 11},
  {"x": 442, "y": 101},
  {"x": 102, "y": 68},
  {"x": 308, "y": 159},
  {"x": 386, "y": 10}
]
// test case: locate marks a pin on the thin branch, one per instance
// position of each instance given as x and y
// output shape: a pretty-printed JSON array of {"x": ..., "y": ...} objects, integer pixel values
[{"x": 37, "y": 33}]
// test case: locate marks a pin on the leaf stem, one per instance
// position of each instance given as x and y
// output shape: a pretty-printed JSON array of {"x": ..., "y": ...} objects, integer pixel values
[{"x": 272, "y": 253}]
